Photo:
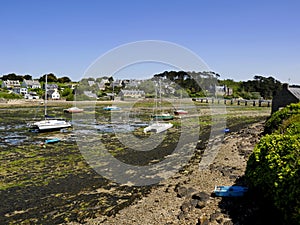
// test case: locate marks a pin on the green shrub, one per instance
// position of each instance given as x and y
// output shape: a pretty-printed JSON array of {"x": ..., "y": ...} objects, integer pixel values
[
  {"x": 7, "y": 95},
  {"x": 278, "y": 117},
  {"x": 274, "y": 166}
]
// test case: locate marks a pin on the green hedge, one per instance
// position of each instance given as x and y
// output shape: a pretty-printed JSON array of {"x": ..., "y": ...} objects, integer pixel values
[
  {"x": 278, "y": 117},
  {"x": 274, "y": 166}
]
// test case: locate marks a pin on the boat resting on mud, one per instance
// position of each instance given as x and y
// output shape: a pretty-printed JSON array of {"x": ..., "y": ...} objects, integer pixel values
[
  {"x": 158, "y": 127},
  {"x": 52, "y": 140},
  {"x": 73, "y": 110},
  {"x": 230, "y": 191}
]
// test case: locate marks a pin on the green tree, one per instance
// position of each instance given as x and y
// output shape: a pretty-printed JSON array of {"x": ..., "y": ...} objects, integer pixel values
[
  {"x": 27, "y": 77},
  {"x": 12, "y": 76},
  {"x": 50, "y": 78},
  {"x": 66, "y": 92},
  {"x": 64, "y": 80},
  {"x": 148, "y": 87}
]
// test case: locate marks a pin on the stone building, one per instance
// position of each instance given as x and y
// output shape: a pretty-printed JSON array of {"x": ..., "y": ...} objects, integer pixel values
[
  {"x": 131, "y": 94},
  {"x": 31, "y": 84},
  {"x": 288, "y": 94}
]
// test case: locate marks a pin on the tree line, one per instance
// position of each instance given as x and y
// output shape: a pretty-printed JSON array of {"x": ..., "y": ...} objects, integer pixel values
[
  {"x": 196, "y": 84},
  {"x": 50, "y": 77},
  {"x": 199, "y": 84}
]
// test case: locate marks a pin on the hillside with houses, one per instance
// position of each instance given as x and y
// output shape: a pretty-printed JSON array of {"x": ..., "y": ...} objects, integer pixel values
[{"x": 172, "y": 83}]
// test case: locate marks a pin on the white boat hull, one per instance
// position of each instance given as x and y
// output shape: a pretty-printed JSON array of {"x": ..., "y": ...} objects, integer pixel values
[
  {"x": 158, "y": 127},
  {"x": 54, "y": 124}
]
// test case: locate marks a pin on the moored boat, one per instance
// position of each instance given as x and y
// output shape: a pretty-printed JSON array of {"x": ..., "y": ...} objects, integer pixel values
[
  {"x": 230, "y": 191},
  {"x": 49, "y": 123},
  {"x": 73, "y": 110},
  {"x": 180, "y": 112},
  {"x": 158, "y": 127},
  {"x": 111, "y": 108},
  {"x": 52, "y": 140},
  {"x": 163, "y": 116}
]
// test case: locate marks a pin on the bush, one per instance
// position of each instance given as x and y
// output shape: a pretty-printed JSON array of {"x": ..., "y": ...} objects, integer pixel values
[
  {"x": 274, "y": 166},
  {"x": 278, "y": 117},
  {"x": 7, "y": 95}
]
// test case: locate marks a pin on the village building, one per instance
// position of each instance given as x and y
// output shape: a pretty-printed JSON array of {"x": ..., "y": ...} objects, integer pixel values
[
  {"x": 23, "y": 91},
  {"x": 91, "y": 83},
  {"x": 11, "y": 84},
  {"x": 288, "y": 94},
  {"x": 53, "y": 94},
  {"x": 131, "y": 94},
  {"x": 31, "y": 84},
  {"x": 51, "y": 86},
  {"x": 90, "y": 94},
  {"x": 223, "y": 91},
  {"x": 31, "y": 95},
  {"x": 116, "y": 83},
  {"x": 101, "y": 86}
]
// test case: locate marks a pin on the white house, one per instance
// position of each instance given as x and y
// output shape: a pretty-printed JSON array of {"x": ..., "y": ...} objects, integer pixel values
[
  {"x": 223, "y": 90},
  {"x": 91, "y": 83},
  {"x": 53, "y": 94},
  {"x": 10, "y": 84},
  {"x": 23, "y": 91}
]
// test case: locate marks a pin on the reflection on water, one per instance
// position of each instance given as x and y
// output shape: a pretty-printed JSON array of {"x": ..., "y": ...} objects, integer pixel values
[{"x": 14, "y": 129}]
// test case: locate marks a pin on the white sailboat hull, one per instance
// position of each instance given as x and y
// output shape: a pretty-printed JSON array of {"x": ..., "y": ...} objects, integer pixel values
[
  {"x": 53, "y": 124},
  {"x": 158, "y": 127},
  {"x": 49, "y": 124}
]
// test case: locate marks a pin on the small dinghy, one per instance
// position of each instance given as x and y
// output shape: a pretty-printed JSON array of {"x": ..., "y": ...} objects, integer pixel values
[
  {"x": 52, "y": 140},
  {"x": 111, "y": 108},
  {"x": 230, "y": 191}
]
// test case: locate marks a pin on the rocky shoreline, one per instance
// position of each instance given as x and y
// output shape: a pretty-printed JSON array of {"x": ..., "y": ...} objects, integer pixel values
[{"x": 186, "y": 197}]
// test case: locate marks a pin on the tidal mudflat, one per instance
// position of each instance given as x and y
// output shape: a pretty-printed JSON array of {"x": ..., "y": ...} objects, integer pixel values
[{"x": 53, "y": 183}]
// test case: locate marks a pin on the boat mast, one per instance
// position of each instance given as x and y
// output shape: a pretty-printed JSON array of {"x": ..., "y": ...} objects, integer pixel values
[
  {"x": 160, "y": 101},
  {"x": 45, "y": 105}
]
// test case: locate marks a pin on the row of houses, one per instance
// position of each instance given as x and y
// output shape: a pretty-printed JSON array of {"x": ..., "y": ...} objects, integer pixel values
[
  {"x": 9, "y": 84},
  {"x": 132, "y": 83},
  {"x": 23, "y": 88}
]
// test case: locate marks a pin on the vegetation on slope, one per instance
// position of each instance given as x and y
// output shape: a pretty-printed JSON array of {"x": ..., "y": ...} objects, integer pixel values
[{"x": 274, "y": 167}]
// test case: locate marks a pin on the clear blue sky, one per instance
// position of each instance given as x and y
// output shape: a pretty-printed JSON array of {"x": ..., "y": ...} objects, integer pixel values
[{"x": 238, "y": 39}]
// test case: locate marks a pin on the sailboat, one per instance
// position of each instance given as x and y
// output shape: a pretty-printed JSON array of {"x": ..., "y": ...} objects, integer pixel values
[
  {"x": 180, "y": 111},
  {"x": 49, "y": 123},
  {"x": 162, "y": 116},
  {"x": 158, "y": 127},
  {"x": 112, "y": 107}
]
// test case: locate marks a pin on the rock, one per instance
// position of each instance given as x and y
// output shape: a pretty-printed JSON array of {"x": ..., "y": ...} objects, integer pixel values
[
  {"x": 219, "y": 220},
  {"x": 200, "y": 204},
  {"x": 185, "y": 207},
  {"x": 202, "y": 196},
  {"x": 181, "y": 216},
  {"x": 215, "y": 216},
  {"x": 203, "y": 220},
  {"x": 183, "y": 191},
  {"x": 194, "y": 202},
  {"x": 228, "y": 222}
]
